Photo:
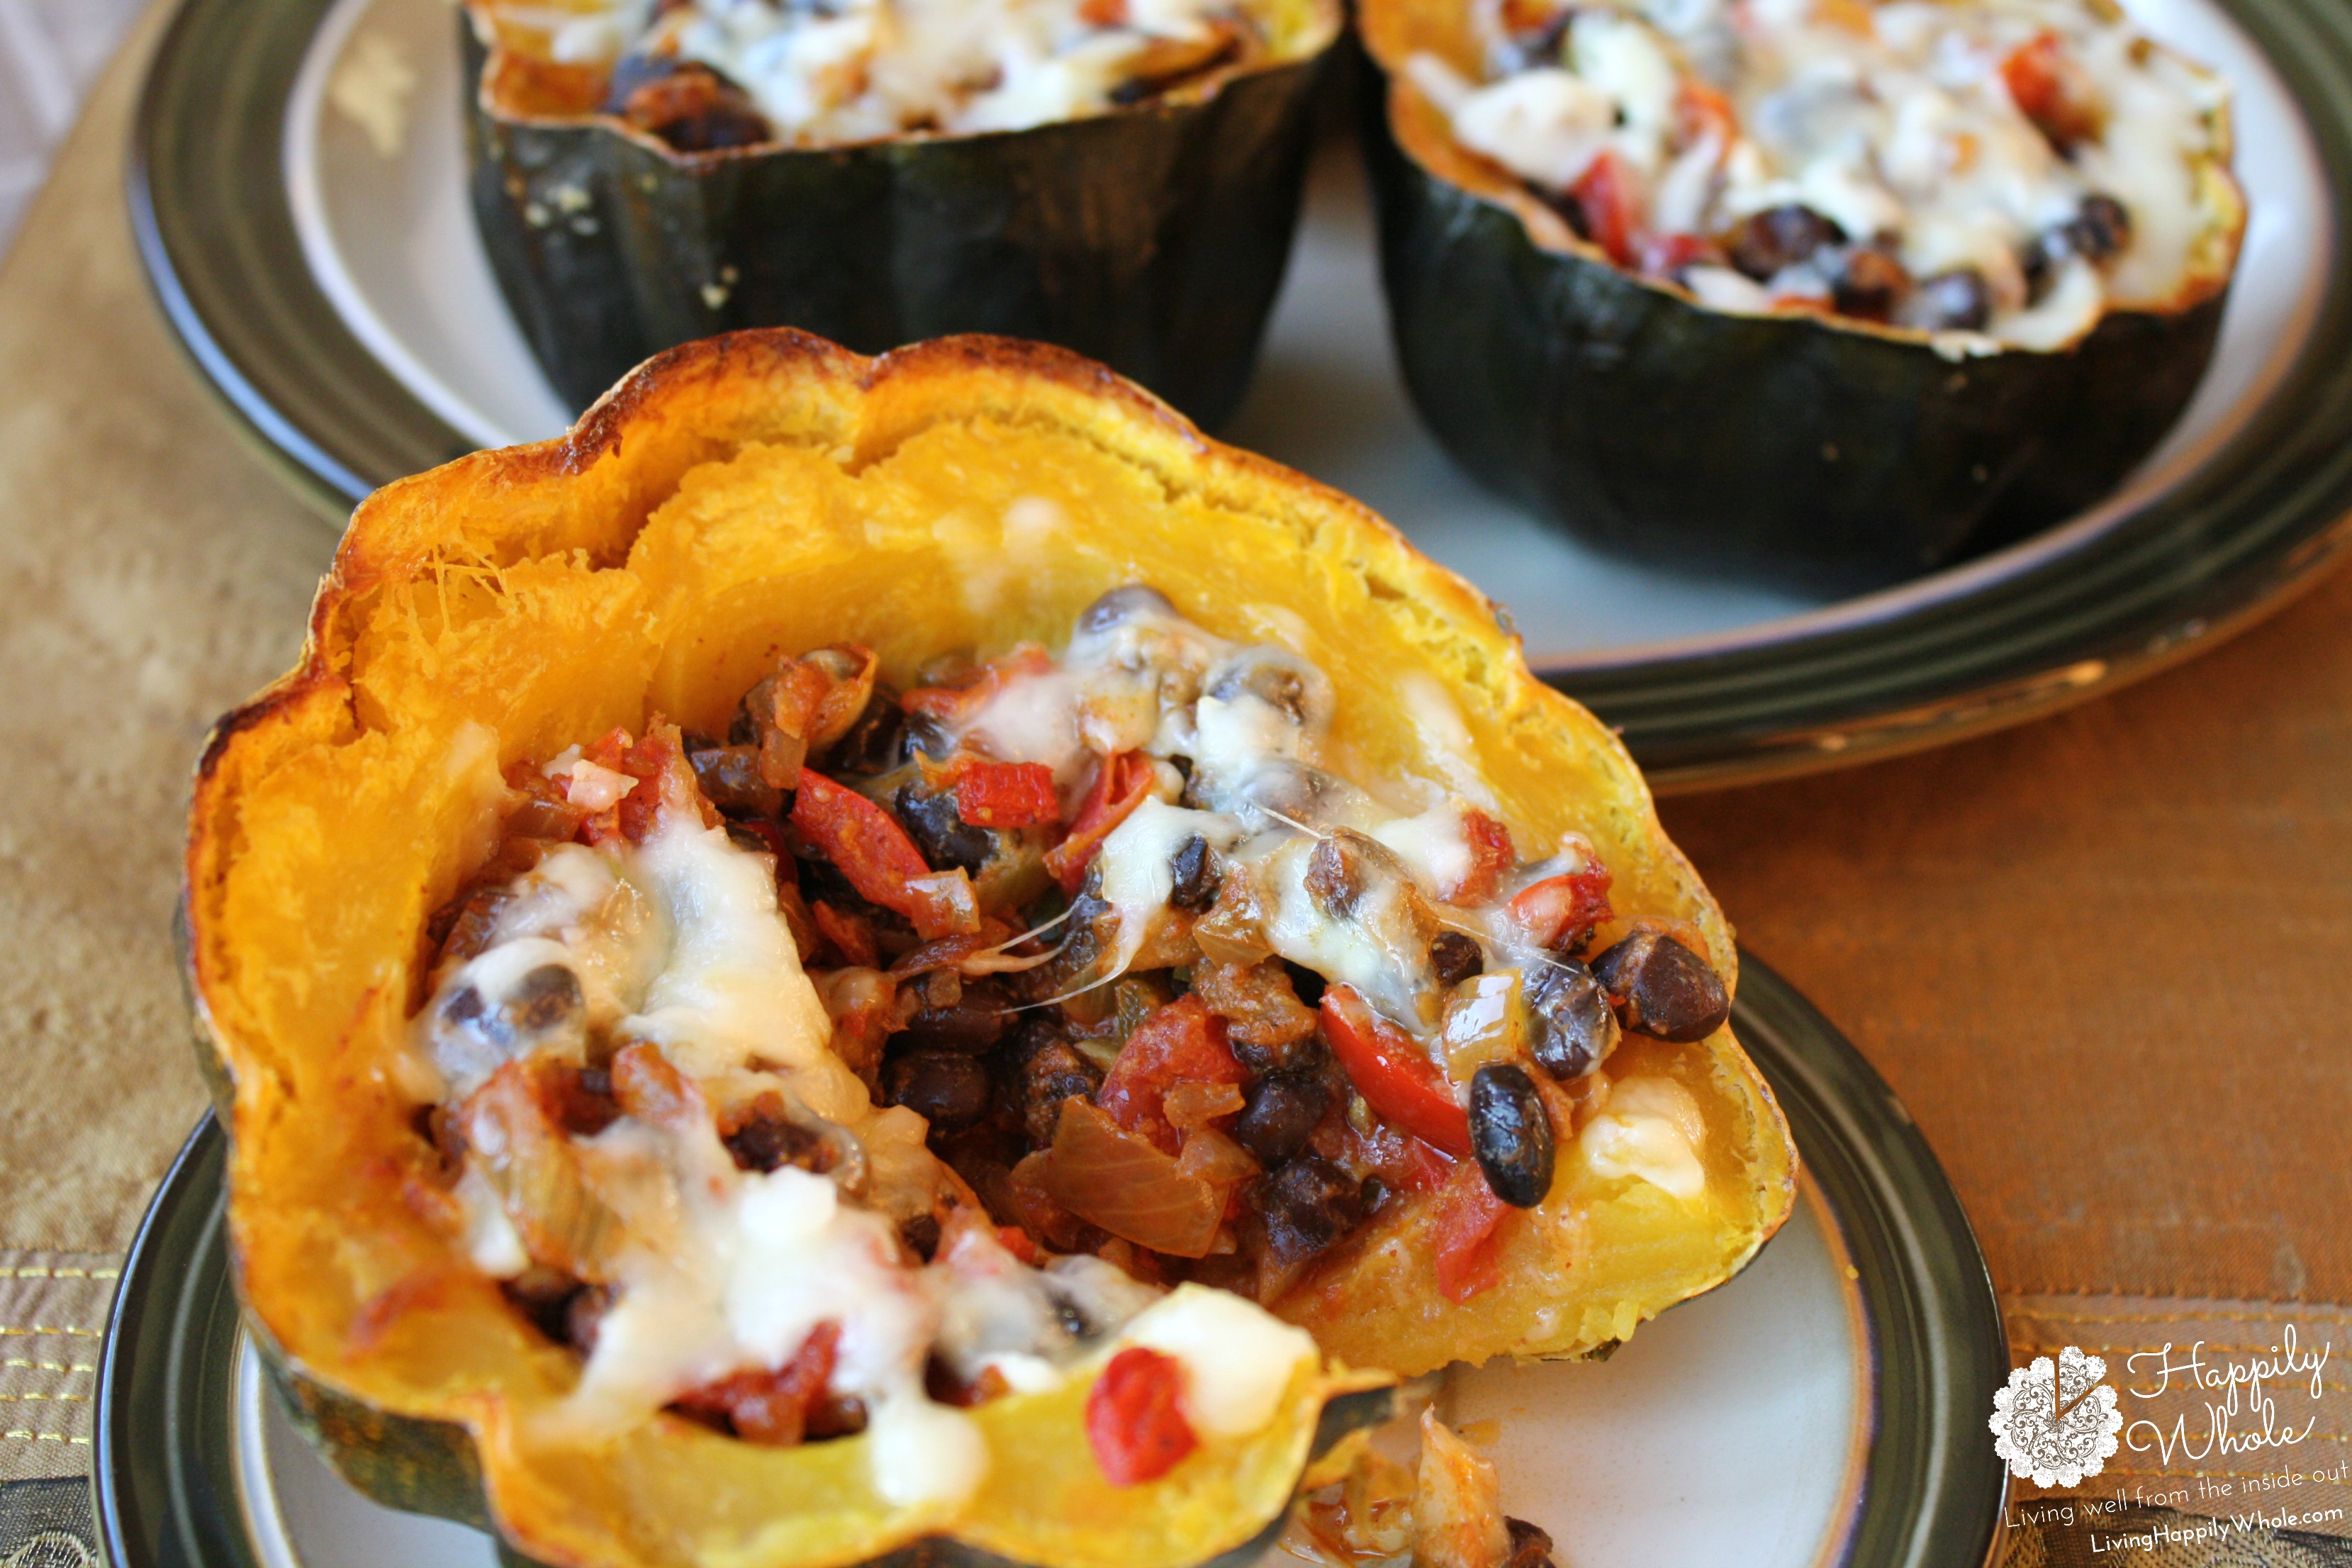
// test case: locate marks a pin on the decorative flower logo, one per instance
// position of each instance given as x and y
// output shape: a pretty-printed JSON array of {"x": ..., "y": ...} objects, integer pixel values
[{"x": 2056, "y": 1424}]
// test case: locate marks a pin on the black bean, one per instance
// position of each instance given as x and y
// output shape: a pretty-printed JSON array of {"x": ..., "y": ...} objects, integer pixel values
[
  {"x": 547, "y": 998},
  {"x": 1124, "y": 603},
  {"x": 1282, "y": 681},
  {"x": 1957, "y": 301},
  {"x": 1307, "y": 1204},
  {"x": 1571, "y": 1028},
  {"x": 1054, "y": 1072},
  {"x": 970, "y": 1025},
  {"x": 464, "y": 1006},
  {"x": 1511, "y": 1133},
  {"x": 730, "y": 777},
  {"x": 872, "y": 744},
  {"x": 1344, "y": 866},
  {"x": 921, "y": 1234},
  {"x": 767, "y": 1143},
  {"x": 949, "y": 1091},
  {"x": 1308, "y": 985},
  {"x": 1455, "y": 957},
  {"x": 928, "y": 735},
  {"x": 544, "y": 1295},
  {"x": 946, "y": 839},
  {"x": 1662, "y": 989},
  {"x": 1870, "y": 286},
  {"x": 2101, "y": 226},
  {"x": 1194, "y": 870},
  {"x": 1279, "y": 1115},
  {"x": 1780, "y": 237}
]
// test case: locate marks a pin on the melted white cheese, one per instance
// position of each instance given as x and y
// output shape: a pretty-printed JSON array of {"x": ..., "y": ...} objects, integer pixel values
[
  {"x": 1649, "y": 1128},
  {"x": 731, "y": 990},
  {"x": 857, "y": 70},
  {"x": 1137, "y": 866},
  {"x": 1238, "y": 1360},
  {"x": 1890, "y": 117},
  {"x": 718, "y": 1270}
]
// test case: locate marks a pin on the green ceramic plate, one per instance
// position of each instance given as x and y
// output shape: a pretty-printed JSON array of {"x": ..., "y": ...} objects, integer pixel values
[
  {"x": 296, "y": 189},
  {"x": 1853, "y": 1362}
]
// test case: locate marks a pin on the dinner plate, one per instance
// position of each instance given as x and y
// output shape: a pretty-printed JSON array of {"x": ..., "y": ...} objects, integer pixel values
[
  {"x": 297, "y": 195},
  {"x": 1826, "y": 1407}
]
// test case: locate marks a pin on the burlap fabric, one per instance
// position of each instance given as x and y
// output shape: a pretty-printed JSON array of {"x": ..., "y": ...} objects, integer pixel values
[{"x": 2103, "y": 958}]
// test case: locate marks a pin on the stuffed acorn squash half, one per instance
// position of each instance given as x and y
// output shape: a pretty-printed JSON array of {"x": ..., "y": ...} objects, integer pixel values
[
  {"x": 848, "y": 953},
  {"x": 1839, "y": 289},
  {"x": 1120, "y": 178}
]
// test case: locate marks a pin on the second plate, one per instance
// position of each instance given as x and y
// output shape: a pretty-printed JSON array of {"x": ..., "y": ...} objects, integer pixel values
[{"x": 297, "y": 190}]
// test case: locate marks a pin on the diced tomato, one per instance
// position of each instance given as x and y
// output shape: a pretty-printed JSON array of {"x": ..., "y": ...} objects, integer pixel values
[
  {"x": 1560, "y": 911},
  {"x": 1135, "y": 1417},
  {"x": 605, "y": 751},
  {"x": 881, "y": 862},
  {"x": 664, "y": 782},
  {"x": 1403, "y": 1161},
  {"x": 778, "y": 1405},
  {"x": 2052, "y": 90},
  {"x": 1608, "y": 194},
  {"x": 1392, "y": 1073},
  {"x": 1468, "y": 1235},
  {"x": 1103, "y": 13},
  {"x": 1181, "y": 1042},
  {"x": 1491, "y": 855},
  {"x": 1006, "y": 794},
  {"x": 1121, "y": 785}
]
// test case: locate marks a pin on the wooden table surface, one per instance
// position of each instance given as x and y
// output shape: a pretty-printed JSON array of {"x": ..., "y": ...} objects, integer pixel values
[{"x": 2105, "y": 958}]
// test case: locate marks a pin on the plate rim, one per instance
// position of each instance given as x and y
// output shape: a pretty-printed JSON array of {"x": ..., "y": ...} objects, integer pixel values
[
  {"x": 164, "y": 1449},
  {"x": 2101, "y": 601}
]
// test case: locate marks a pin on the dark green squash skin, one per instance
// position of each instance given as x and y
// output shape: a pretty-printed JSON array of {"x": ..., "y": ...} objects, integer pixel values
[
  {"x": 1781, "y": 447},
  {"x": 1152, "y": 238},
  {"x": 423, "y": 1465}
]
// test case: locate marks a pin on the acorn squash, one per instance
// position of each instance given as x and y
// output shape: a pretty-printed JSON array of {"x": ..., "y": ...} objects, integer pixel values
[
  {"x": 1793, "y": 442},
  {"x": 1152, "y": 238},
  {"x": 769, "y": 491}
]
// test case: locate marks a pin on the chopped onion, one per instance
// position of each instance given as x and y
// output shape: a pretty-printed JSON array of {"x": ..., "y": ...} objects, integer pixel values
[
  {"x": 1119, "y": 1181},
  {"x": 1214, "y": 1157},
  {"x": 1190, "y": 1105}
]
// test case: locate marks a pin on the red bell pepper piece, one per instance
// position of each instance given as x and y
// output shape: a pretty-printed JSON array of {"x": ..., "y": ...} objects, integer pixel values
[
  {"x": 1006, "y": 794},
  {"x": 1121, "y": 785},
  {"x": 1468, "y": 1235},
  {"x": 1608, "y": 194},
  {"x": 1491, "y": 855},
  {"x": 1135, "y": 1417},
  {"x": 1562, "y": 910},
  {"x": 874, "y": 852},
  {"x": 1392, "y": 1073},
  {"x": 1181, "y": 1042}
]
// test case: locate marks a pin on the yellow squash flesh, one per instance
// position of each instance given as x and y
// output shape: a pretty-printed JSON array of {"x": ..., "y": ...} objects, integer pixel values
[{"x": 766, "y": 492}]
